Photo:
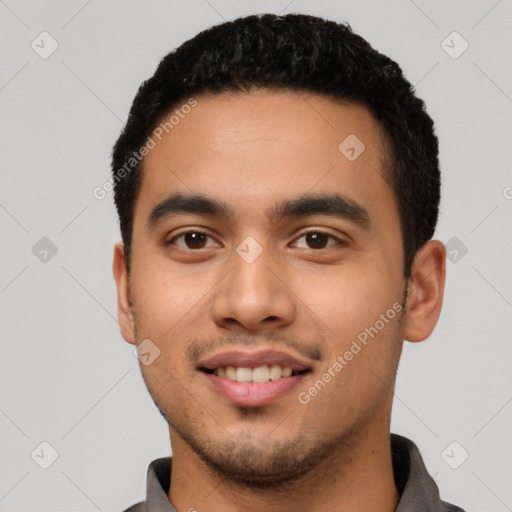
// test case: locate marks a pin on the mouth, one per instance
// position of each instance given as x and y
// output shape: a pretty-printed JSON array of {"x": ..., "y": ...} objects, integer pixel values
[
  {"x": 261, "y": 374},
  {"x": 254, "y": 379}
]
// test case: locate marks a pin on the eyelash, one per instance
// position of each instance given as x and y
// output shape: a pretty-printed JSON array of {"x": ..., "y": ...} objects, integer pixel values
[{"x": 171, "y": 241}]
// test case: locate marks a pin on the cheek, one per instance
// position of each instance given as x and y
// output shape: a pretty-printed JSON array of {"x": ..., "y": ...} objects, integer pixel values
[
  {"x": 359, "y": 307},
  {"x": 349, "y": 299},
  {"x": 356, "y": 378},
  {"x": 165, "y": 296}
]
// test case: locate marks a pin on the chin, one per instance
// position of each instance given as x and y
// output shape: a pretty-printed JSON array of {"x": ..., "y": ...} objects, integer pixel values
[{"x": 258, "y": 461}]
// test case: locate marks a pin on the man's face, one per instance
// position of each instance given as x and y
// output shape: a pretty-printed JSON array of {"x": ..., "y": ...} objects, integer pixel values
[{"x": 256, "y": 290}]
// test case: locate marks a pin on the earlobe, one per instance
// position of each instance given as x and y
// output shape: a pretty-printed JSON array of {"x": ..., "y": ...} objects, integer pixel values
[
  {"x": 124, "y": 309},
  {"x": 425, "y": 291}
]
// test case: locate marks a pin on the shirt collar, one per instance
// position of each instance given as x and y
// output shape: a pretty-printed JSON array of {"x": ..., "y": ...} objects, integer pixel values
[{"x": 418, "y": 491}]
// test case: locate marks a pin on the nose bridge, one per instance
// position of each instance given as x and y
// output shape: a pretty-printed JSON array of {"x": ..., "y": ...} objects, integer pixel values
[
  {"x": 252, "y": 294},
  {"x": 252, "y": 278}
]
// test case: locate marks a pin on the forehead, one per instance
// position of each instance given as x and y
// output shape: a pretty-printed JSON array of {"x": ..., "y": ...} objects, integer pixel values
[{"x": 254, "y": 148}]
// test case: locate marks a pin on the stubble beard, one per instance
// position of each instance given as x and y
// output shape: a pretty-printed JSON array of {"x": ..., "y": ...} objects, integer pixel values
[{"x": 244, "y": 462}]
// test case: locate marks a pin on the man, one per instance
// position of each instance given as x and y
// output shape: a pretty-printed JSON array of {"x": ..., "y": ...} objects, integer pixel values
[{"x": 277, "y": 184}]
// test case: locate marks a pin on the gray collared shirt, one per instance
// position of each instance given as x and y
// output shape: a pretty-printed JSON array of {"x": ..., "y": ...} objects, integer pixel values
[{"x": 418, "y": 491}]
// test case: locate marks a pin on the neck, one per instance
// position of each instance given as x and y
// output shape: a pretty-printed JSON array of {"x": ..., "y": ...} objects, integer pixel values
[{"x": 359, "y": 477}]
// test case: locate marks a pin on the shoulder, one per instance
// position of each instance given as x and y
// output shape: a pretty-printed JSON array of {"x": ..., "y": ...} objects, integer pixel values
[
  {"x": 138, "y": 507},
  {"x": 448, "y": 507}
]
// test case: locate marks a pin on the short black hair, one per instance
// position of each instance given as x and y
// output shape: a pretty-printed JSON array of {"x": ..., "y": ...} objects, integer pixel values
[{"x": 302, "y": 53}]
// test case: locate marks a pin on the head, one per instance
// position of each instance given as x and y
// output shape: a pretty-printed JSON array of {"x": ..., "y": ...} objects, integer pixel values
[{"x": 283, "y": 196}]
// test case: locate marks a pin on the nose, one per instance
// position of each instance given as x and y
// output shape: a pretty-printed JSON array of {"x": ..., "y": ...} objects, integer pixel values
[{"x": 253, "y": 295}]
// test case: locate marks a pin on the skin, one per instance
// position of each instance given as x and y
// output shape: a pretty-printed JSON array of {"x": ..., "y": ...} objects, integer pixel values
[{"x": 252, "y": 150}]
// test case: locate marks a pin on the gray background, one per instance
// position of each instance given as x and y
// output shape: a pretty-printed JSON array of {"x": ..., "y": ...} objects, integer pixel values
[{"x": 67, "y": 376}]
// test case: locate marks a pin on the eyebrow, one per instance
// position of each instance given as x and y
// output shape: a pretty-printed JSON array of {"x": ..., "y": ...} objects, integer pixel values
[{"x": 334, "y": 205}]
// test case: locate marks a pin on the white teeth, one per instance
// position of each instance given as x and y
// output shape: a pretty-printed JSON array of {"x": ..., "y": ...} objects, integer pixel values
[
  {"x": 231, "y": 373},
  {"x": 243, "y": 374},
  {"x": 262, "y": 373},
  {"x": 275, "y": 372},
  {"x": 286, "y": 372}
]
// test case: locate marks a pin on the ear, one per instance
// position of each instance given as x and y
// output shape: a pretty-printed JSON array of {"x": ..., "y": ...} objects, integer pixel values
[
  {"x": 124, "y": 309},
  {"x": 425, "y": 291}
]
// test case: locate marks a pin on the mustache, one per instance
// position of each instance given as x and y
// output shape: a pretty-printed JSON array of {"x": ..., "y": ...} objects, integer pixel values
[{"x": 196, "y": 350}]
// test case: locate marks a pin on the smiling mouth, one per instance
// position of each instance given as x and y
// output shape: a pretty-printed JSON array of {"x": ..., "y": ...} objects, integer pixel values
[
  {"x": 254, "y": 378},
  {"x": 259, "y": 374}
]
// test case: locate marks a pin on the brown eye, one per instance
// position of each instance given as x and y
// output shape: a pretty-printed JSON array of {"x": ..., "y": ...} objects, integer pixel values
[
  {"x": 195, "y": 240},
  {"x": 190, "y": 240},
  {"x": 318, "y": 240}
]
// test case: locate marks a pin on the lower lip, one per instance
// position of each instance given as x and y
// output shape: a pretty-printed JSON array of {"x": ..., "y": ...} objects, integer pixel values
[{"x": 254, "y": 394}]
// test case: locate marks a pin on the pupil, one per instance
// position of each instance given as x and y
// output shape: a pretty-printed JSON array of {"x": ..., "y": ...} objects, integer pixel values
[
  {"x": 195, "y": 240},
  {"x": 317, "y": 239}
]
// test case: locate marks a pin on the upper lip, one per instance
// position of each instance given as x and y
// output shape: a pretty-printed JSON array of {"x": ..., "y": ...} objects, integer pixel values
[{"x": 253, "y": 359}]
